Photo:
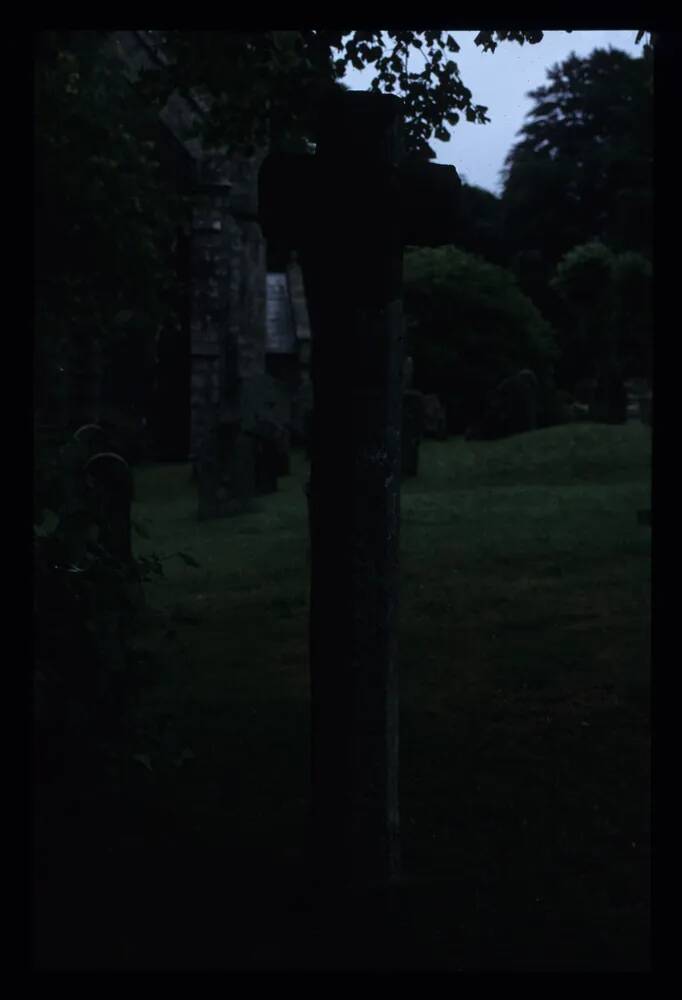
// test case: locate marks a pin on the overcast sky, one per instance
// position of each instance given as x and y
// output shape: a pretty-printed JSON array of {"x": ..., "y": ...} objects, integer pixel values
[{"x": 500, "y": 81}]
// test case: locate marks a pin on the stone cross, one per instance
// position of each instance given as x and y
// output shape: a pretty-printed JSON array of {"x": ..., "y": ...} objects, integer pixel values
[{"x": 349, "y": 210}]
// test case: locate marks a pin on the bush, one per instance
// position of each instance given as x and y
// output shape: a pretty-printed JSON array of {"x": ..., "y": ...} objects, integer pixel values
[
  {"x": 607, "y": 299},
  {"x": 469, "y": 327}
]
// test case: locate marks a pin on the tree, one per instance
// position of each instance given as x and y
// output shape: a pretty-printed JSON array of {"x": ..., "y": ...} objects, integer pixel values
[
  {"x": 469, "y": 326},
  {"x": 480, "y": 227},
  {"x": 583, "y": 167},
  {"x": 582, "y": 171},
  {"x": 608, "y": 297},
  {"x": 106, "y": 216},
  {"x": 267, "y": 86}
]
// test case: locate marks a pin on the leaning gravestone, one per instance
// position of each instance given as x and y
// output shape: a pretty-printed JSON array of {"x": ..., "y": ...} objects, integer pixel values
[
  {"x": 435, "y": 422},
  {"x": 94, "y": 438},
  {"x": 112, "y": 494},
  {"x": 270, "y": 456},
  {"x": 413, "y": 419},
  {"x": 511, "y": 408},
  {"x": 610, "y": 403},
  {"x": 349, "y": 210},
  {"x": 266, "y": 412},
  {"x": 225, "y": 471},
  {"x": 646, "y": 410}
]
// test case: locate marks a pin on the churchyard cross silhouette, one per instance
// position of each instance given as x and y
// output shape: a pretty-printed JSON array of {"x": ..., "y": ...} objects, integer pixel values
[{"x": 349, "y": 210}]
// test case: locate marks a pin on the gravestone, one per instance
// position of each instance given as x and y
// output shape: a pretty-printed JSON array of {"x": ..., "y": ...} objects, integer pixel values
[
  {"x": 413, "y": 419},
  {"x": 112, "y": 494},
  {"x": 435, "y": 422},
  {"x": 270, "y": 457},
  {"x": 93, "y": 438},
  {"x": 646, "y": 410},
  {"x": 225, "y": 471},
  {"x": 302, "y": 417},
  {"x": 510, "y": 408},
  {"x": 584, "y": 391},
  {"x": 349, "y": 210},
  {"x": 610, "y": 401},
  {"x": 265, "y": 410}
]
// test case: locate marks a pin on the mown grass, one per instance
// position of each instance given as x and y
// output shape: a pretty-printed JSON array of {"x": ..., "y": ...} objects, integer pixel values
[{"x": 524, "y": 669}]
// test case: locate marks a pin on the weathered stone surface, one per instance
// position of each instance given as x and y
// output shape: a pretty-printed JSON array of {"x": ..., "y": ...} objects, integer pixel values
[
  {"x": 584, "y": 391},
  {"x": 111, "y": 491},
  {"x": 435, "y": 422},
  {"x": 225, "y": 472},
  {"x": 347, "y": 211},
  {"x": 610, "y": 401},
  {"x": 412, "y": 430},
  {"x": 511, "y": 408},
  {"x": 646, "y": 410},
  {"x": 263, "y": 398},
  {"x": 265, "y": 414},
  {"x": 93, "y": 438}
]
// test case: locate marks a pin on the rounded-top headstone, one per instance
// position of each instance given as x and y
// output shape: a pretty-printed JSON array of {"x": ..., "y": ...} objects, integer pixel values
[
  {"x": 93, "y": 437},
  {"x": 113, "y": 493}
]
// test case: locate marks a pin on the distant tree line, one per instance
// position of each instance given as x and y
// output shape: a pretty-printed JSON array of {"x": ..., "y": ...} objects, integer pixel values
[{"x": 573, "y": 226}]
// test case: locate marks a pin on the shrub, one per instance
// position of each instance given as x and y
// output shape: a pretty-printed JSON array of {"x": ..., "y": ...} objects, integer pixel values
[{"x": 469, "y": 326}]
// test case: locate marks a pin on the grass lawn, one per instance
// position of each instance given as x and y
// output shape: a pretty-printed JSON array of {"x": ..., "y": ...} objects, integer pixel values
[{"x": 524, "y": 664}]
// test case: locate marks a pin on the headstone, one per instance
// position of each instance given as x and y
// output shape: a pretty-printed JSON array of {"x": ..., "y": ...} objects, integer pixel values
[
  {"x": 263, "y": 397},
  {"x": 565, "y": 403},
  {"x": 584, "y": 391},
  {"x": 93, "y": 438},
  {"x": 611, "y": 399},
  {"x": 646, "y": 410},
  {"x": 413, "y": 419},
  {"x": 271, "y": 455},
  {"x": 308, "y": 433},
  {"x": 112, "y": 494},
  {"x": 301, "y": 416},
  {"x": 435, "y": 422},
  {"x": 511, "y": 408},
  {"x": 265, "y": 408},
  {"x": 349, "y": 210},
  {"x": 225, "y": 471},
  {"x": 579, "y": 411}
]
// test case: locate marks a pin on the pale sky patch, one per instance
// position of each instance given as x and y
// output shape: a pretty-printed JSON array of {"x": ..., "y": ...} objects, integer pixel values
[{"x": 500, "y": 81}]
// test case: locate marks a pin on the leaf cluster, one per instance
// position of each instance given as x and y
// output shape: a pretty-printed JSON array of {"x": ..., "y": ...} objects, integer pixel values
[
  {"x": 608, "y": 297},
  {"x": 267, "y": 87},
  {"x": 582, "y": 168},
  {"x": 106, "y": 216},
  {"x": 469, "y": 326}
]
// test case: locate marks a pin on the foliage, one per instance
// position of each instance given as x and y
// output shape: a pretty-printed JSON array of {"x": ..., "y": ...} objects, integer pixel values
[
  {"x": 268, "y": 85},
  {"x": 480, "y": 224},
  {"x": 105, "y": 217},
  {"x": 470, "y": 326},
  {"x": 581, "y": 172},
  {"x": 584, "y": 275},
  {"x": 86, "y": 603},
  {"x": 609, "y": 305},
  {"x": 583, "y": 167}
]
